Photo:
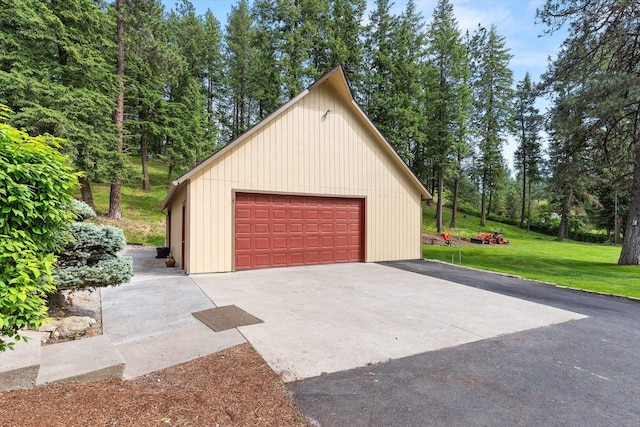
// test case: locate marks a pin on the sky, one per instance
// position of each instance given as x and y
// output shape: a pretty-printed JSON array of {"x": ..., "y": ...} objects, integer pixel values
[{"x": 514, "y": 19}]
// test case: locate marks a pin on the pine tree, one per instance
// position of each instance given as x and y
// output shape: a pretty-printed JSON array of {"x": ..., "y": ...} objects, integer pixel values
[
  {"x": 115, "y": 191},
  {"x": 379, "y": 99},
  {"x": 601, "y": 62},
  {"x": 240, "y": 58},
  {"x": 492, "y": 81},
  {"x": 294, "y": 26},
  {"x": 408, "y": 56},
  {"x": 450, "y": 98},
  {"x": 56, "y": 74},
  {"x": 527, "y": 126},
  {"x": 149, "y": 62},
  {"x": 189, "y": 128},
  {"x": 345, "y": 44}
]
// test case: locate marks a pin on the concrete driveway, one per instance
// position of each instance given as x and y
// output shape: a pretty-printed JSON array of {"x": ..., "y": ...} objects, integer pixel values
[{"x": 330, "y": 318}]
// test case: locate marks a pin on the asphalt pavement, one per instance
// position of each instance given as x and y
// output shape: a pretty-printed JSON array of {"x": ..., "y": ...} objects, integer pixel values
[{"x": 578, "y": 373}]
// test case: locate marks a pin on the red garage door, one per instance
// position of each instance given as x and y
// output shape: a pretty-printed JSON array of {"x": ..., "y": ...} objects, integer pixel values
[{"x": 281, "y": 230}]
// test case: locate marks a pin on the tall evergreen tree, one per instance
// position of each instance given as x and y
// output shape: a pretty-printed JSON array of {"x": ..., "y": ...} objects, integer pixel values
[
  {"x": 527, "y": 127},
  {"x": 450, "y": 98},
  {"x": 240, "y": 59},
  {"x": 379, "y": 98},
  {"x": 345, "y": 44},
  {"x": 115, "y": 191},
  {"x": 190, "y": 126},
  {"x": 56, "y": 74},
  {"x": 492, "y": 81},
  {"x": 601, "y": 60},
  {"x": 212, "y": 68},
  {"x": 266, "y": 76},
  {"x": 294, "y": 25},
  {"x": 148, "y": 63},
  {"x": 568, "y": 155},
  {"x": 408, "y": 57}
]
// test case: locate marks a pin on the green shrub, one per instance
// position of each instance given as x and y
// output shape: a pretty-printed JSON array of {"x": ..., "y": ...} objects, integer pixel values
[
  {"x": 90, "y": 258},
  {"x": 82, "y": 210},
  {"x": 35, "y": 186}
]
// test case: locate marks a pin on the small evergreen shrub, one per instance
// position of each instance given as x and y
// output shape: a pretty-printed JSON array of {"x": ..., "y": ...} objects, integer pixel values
[
  {"x": 90, "y": 258},
  {"x": 82, "y": 210}
]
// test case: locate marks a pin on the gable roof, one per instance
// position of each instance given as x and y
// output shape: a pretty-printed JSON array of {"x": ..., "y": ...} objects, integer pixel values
[{"x": 338, "y": 81}]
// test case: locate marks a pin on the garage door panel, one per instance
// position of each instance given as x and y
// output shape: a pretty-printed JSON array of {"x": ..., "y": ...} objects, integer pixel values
[
  {"x": 279, "y": 259},
  {"x": 312, "y": 241},
  {"x": 326, "y": 227},
  {"x": 280, "y": 213},
  {"x": 278, "y": 227},
  {"x": 342, "y": 241},
  {"x": 279, "y": 230},
  {"x": 296, "y": 258},
  {"x": 260, "y": 214},
  {"x": 279, "y": 243},
  {"x": 296, "y": 242},
  {"x": 295, "y": 214},
  {"x": 243, "y": 228},
  {"x": 312, "y": 257},
  {"x": 262, "y": 243},
  {"x": 328, "y": 256},
  {"x": 243, "y": 243},
  {"x": 327, "y": 241}
]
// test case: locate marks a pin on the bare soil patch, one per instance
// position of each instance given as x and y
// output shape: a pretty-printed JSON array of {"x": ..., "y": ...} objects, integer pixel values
[
  {"x": 435, "y": 239},
  {"x": 234, "y": 387}
]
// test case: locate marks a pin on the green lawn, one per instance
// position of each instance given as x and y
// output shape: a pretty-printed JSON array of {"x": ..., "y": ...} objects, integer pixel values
[
  {"x": 539, "y": 257},
  {"x": 142, "y": 221}
]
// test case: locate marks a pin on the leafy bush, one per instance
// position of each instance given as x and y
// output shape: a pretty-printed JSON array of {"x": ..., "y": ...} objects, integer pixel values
[{"x": 35, "y": 186}]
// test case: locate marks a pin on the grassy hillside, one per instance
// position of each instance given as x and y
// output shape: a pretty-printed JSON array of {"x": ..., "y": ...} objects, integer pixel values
[
  {"x": 142, "y": 221},
  {"x": 536, "y": 256}
]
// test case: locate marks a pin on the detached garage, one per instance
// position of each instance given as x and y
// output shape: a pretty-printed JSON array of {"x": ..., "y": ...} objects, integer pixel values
[{"x": 313, "y": 183}]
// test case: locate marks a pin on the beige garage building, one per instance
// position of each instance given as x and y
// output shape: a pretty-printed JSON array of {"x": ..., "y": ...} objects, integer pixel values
[{"x": 315, "y": 182}]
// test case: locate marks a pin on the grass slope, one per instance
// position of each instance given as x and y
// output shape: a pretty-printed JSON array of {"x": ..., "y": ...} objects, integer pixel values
[
  {"x": 539, "y": 257},
  {"x": 142, "y": 221}
]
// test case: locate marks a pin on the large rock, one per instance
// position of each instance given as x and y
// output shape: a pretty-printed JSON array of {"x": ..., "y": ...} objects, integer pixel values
[{"x": 68, "y": 327}]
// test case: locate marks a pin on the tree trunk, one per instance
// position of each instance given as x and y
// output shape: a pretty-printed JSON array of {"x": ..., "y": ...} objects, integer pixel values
[
  {"x": 564, "y": 224},
  {"x": 440, "y": 194},
  {"x": 630, "y": 254},
  {"x": 524, "y": 193},
  {"x": 454, "y": 208},
  {"x": 115, "y": 207},
  {"x": 115, "y": 211},
  {"x": 529, "y": 208},
  {"x": 85, "y": 191},
  {"x": 616, "y": 221},
  {"x": 144, "y": 154},
  {"x": 483, "y": 216}
]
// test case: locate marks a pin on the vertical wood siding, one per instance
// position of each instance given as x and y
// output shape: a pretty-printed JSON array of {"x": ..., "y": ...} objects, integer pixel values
[
  {"x": 175, "y": 239},
  {"x": 304, "y": 151}
]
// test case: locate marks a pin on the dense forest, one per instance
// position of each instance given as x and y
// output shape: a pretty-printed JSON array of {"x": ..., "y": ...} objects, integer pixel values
[{"x": 128, "y": 77}]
